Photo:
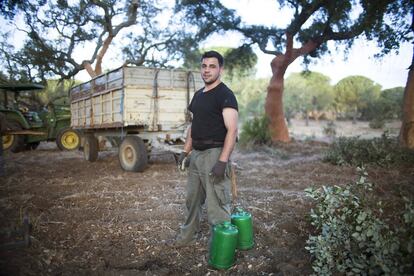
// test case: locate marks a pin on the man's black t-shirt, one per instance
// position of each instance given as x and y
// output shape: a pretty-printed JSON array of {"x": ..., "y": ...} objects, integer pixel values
[{"x": 207, "y": 108}]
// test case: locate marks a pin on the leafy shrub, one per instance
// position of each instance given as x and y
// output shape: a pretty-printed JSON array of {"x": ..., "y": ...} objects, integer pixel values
[
  {"x": 351, "y": 237},
  {"x": 255, "y": 132},
  {"x": 383, "y": 151},
  {"x": 330, "y": 129},
  {"x": 377, "y": 123}
]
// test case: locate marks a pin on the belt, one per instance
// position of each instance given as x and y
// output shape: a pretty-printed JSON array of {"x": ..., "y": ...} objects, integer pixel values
[{"x": 208, "y": 142}]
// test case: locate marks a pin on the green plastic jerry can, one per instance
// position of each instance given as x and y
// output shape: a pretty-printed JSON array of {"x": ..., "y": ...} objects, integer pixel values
[
  {"x": 243, "y": 221},
  {"x": 223, "y": 245}
]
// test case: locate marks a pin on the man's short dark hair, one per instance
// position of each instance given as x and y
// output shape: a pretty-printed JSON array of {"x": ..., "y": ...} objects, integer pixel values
[{"x": 213, "y": 54}]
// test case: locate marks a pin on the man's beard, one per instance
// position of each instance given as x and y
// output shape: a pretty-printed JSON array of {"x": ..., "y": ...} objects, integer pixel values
[{"x": 211, "y": 81}]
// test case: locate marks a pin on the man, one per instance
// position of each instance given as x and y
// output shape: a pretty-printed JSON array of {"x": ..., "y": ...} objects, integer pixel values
[{"x": 211, "y": 139}]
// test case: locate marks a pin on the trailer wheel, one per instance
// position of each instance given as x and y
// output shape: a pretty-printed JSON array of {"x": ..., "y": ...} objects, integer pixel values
[
  {"x": 13, "y": 142},
  {"x": 90, "y": 148},
  {"x": 133, "y": 154},
  {"x": 68, "y": 139}
]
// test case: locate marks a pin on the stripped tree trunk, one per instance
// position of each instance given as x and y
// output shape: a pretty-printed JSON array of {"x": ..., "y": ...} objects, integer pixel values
[
  {"x": 101, "y": 54},
  {"x": 274, "y": 99},
  {"x": 407, "y": 127}
]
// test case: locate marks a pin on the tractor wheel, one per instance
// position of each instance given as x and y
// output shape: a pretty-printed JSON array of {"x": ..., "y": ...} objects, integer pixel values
[
  {"x": 12, "y": 142},
  {"x": 133, "y": 154},
  {"x": 90, "y": 148},
  {"x": 68, "y": 139}
]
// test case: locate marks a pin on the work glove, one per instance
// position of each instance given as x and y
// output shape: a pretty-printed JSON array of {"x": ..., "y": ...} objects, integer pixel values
[
  {"x": 183, "y": 161},
  {"x": 219, "y": 169}
]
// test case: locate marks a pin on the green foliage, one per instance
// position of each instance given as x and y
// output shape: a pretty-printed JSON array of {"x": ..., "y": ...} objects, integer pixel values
[
  {"x": 330, "y": 129},
  {"x": 239, "y": 63},
  {"x": 255, "y": 132},
  {"x": 385, "y": 22},
  {"x": 351, "y": 236},
  {"x": 383, "y": 151},
  {"x": 387, "y": 107},
  {"x": 250, "y": 95},
  {"x": 354, "y": 93},
  {"x": 56, "y": 93},
  {"x": 307, "y": 91},
  {"x": 377, "y": 123}
]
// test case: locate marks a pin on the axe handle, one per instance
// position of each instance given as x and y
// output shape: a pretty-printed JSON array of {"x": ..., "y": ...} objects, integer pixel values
[{"x": 233, "y": 183}]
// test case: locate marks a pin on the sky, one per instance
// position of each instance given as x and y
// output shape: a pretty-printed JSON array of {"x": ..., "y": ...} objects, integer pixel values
[{"x": 390, "y": 71}]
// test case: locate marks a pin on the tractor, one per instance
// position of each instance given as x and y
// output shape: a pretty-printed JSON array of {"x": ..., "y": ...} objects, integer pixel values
[{"x": 28, "y": 124}]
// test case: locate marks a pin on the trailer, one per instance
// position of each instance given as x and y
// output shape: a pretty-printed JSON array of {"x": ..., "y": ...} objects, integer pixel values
[{"x": 136, "y": 108}]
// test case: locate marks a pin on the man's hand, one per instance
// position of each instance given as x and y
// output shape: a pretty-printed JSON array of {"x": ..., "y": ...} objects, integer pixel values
[
  {"x": 219, "y": 169},
  {"x": 182, "y": 161}
]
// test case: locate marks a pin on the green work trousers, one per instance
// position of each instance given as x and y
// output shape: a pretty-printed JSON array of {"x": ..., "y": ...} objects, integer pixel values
[{"x": 202, "y": 187}]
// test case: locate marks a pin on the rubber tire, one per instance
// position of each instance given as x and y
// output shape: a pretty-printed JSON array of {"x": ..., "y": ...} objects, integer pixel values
[
  {"x": 90, "y": 148},
  {"x": 133, "y": 154},
  {"x": 68, "y": 145},
  {"x": 17, "y": 143}
]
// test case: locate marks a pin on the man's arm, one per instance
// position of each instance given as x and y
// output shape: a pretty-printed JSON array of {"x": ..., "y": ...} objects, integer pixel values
[
  {"x": 230, "y": 116},
  {"x": 188, "y": 146},
  {"x": 186, "y": 150}
]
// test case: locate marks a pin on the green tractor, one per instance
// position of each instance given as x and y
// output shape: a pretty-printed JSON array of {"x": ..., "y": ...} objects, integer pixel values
[{"x": 28, "y": 125}]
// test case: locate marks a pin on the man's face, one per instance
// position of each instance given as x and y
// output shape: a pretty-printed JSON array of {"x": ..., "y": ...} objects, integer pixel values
[{"x": 210, "y": 70}]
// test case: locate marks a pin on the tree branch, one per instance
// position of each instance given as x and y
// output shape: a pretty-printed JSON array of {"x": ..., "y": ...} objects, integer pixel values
[
  {"x": 112, "y": 32},
  {"x": 307, "y": 11}
]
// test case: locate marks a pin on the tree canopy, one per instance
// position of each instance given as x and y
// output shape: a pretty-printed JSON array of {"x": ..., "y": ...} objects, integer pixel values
[
  {"x": 354, "y": 93},
  {"x": 61, "y": 38},
  {"x": 313, "y": 24}
]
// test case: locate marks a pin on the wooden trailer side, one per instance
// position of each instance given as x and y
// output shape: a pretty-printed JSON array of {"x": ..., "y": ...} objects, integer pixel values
[{"x": 154, "y": 99}]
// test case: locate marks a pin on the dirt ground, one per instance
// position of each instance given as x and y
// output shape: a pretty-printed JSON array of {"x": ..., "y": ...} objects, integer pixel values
[{"x": 96, "y": 219}]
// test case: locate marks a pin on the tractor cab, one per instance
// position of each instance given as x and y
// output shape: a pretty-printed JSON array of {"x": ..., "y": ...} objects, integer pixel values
[
  {"x": 16, "y": 100},
  {"x": 29, "y": 123}
]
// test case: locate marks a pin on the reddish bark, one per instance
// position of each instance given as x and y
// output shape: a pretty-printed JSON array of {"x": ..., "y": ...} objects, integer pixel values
[
  {"x": 101, "y": 54},
  {"x": 407, "y": 127},
  {"x": 112, "y": 33},
  {"x": 274, "y": 99},
  {"x": 274, "y": 102},
  {"x": 89, "y": 69}
]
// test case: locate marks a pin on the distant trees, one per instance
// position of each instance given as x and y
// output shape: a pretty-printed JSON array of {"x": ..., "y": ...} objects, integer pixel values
[
  {"x": 239, "y": 62},
  {"x": 387, "y": 106},
  {"x": 251, "y": 95},
  {"x": 311, "y": 95},
  {"x": 55, "y": 93},
  {"x": 352, "y": 94}
]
